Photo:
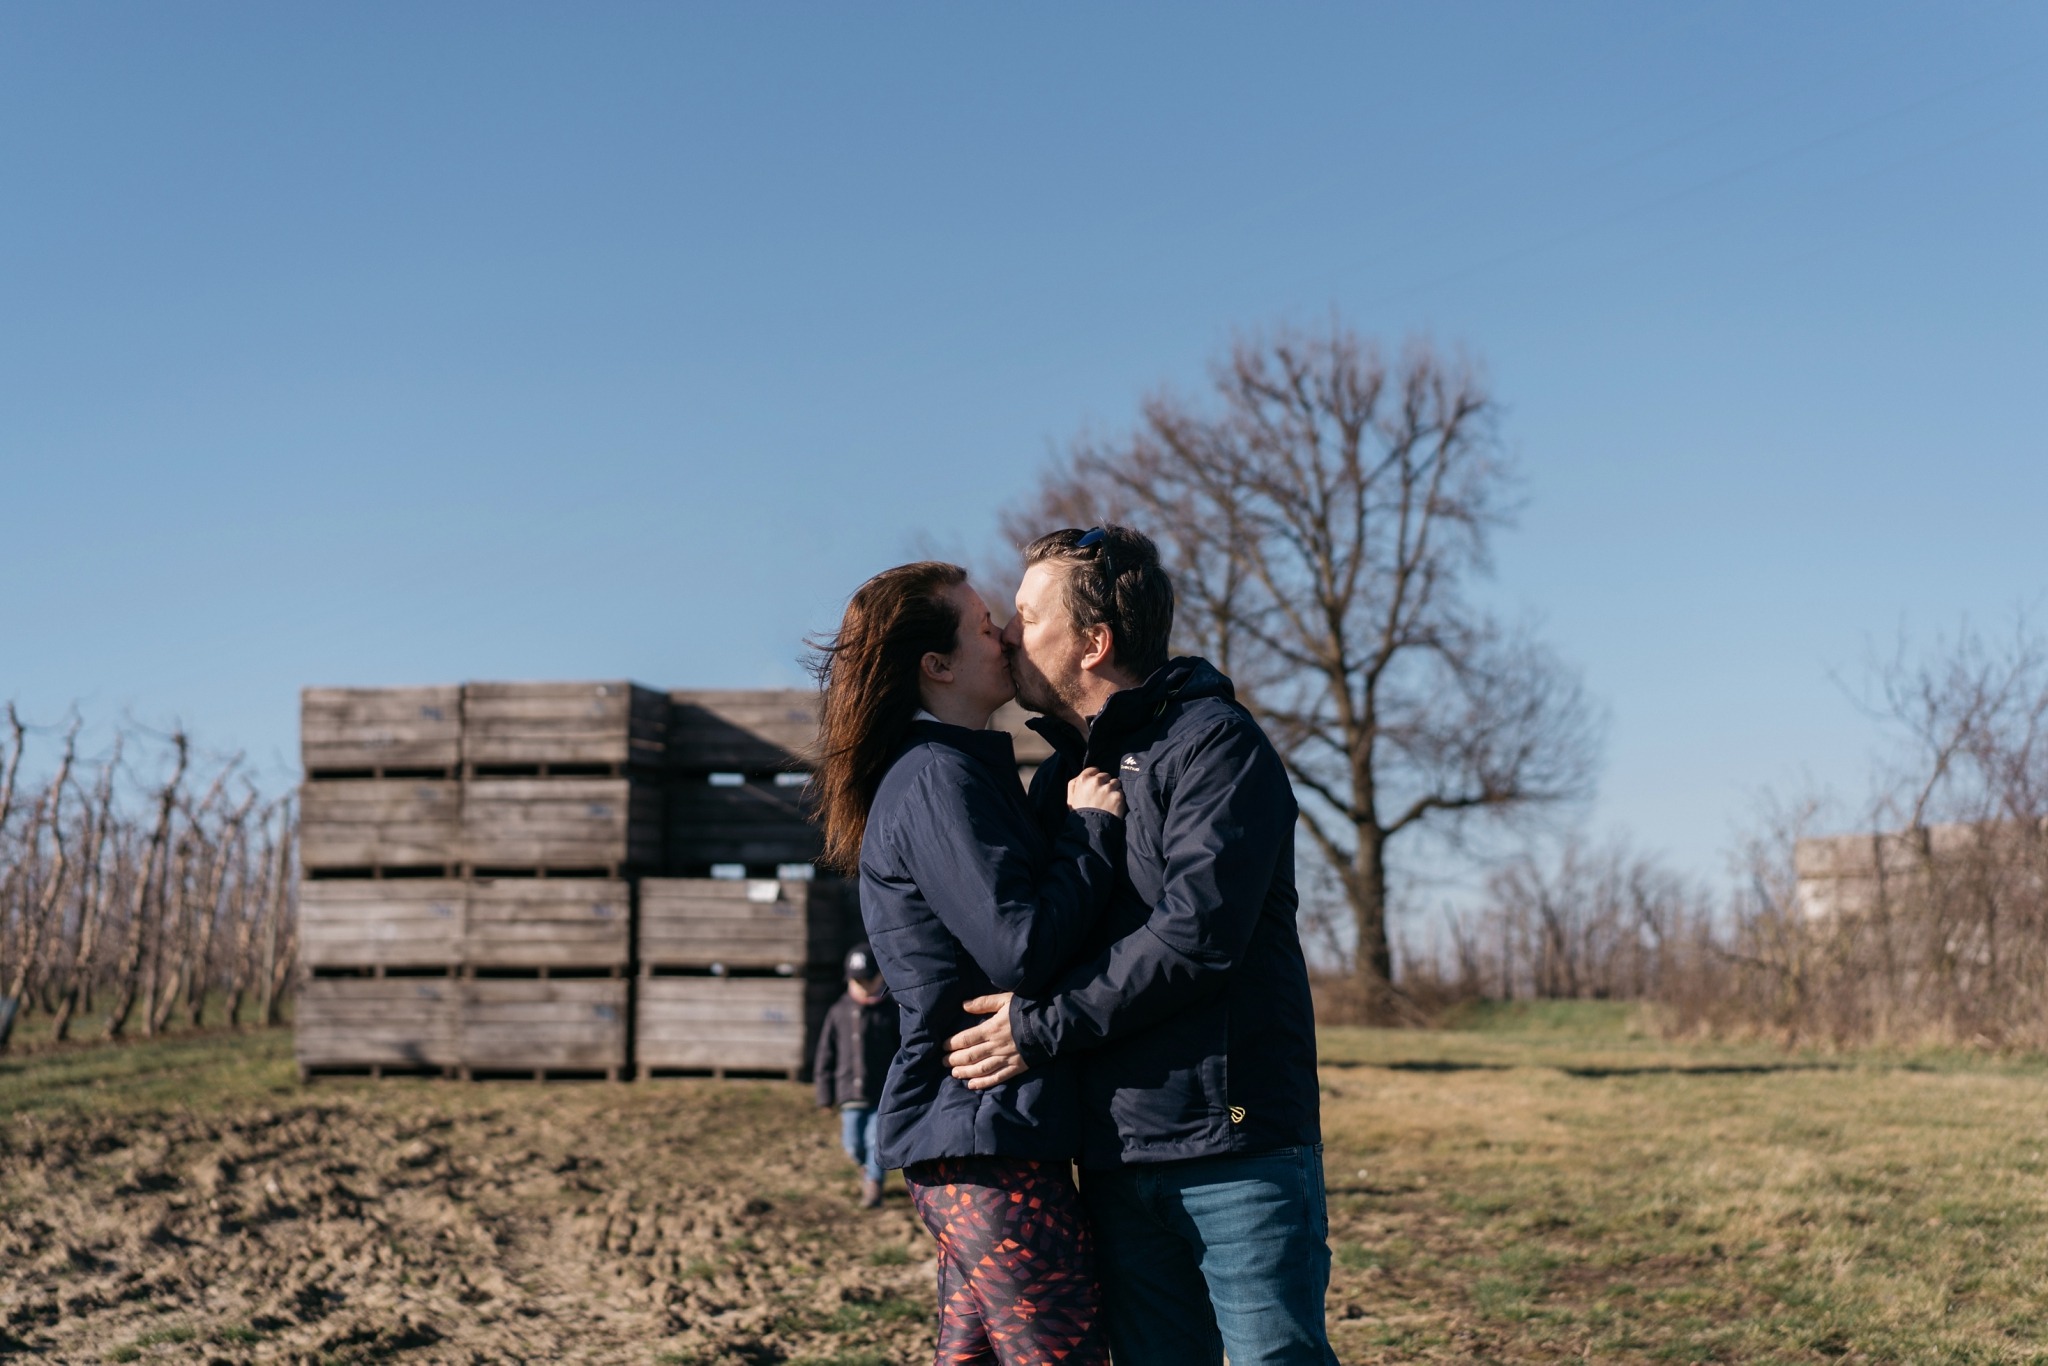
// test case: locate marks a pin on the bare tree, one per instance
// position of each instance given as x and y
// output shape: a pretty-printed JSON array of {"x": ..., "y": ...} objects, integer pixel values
[
  {"x": 280, "y": 925},
  {"x": 138, "y": 889},
  {"x": 1593, "y": 922},
  {"x": 148, "y": 880},
  {"x": 38, "y": 914},
  {"x": 185, "y": 892},
  {"x": 17, "y": 739},
  {"x": 228, "y": 860},
  {"x": 1930, "y": 923},
  {"x": 1324, "y": 519},
  {"x": 11, "y": 873},
  {"x": 96, "y": 888}
]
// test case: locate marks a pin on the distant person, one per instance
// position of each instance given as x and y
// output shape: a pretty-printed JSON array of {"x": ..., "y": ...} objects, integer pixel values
[
  {"x": 1202, "y": 1159},
  {"x": 854, "y": 1051},
  {"x": 966, "y": 891}
]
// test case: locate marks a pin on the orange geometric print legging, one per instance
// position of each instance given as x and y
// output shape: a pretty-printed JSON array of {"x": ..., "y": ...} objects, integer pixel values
[{"x": 1017, "y": 1280}]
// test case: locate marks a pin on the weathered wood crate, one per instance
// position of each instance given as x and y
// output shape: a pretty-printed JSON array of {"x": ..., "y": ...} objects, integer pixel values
[
  {"x": 756, "y": 923},
  {"x": 379, "y": 823},
  {"x": 549, "y": 923},
  {"x": 570, "y": 823},
  {"x": 540, "y": 1026},
  {"x": 563, "y": 725},
  {"x": 371, "y": 731},
  {"x": 759, "y": 822},
  {"x": 538, "y": 923},
  {"x": 729, "y": 1024},
  {"x": 775, "y": 730},
  {"x": 402, "y": 922},
  {"x": 754, "y": 730},
  {"x": 396, "y": 1022}
]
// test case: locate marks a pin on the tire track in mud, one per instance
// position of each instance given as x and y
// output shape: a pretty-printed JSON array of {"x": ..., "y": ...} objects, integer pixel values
[{"x": 685, "y": 1222}]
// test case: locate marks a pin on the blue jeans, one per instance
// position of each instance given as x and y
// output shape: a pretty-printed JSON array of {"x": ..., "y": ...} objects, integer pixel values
[
  {"x": 857, "y": 1136},
  {"x": 1214, "y": 1254}
]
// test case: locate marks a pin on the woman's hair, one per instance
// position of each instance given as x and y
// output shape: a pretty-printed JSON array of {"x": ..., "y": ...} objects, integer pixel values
[{"x": 868, "y": 675}]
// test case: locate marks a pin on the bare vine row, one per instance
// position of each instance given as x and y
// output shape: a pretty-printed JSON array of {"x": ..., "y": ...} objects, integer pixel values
[{"x": 141, "y": 889}]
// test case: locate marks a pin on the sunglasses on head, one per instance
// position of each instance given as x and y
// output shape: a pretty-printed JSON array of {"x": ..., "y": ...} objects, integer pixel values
[{"x": 1097, "y": 539}]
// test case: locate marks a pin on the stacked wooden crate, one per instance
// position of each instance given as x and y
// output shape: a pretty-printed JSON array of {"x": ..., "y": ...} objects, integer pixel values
[
  {"x": 488, "y": 835},
  {"x": 382, "y": 797},
  {"x": 740, "y": 950},
  {"x": 553, "y": 878}
]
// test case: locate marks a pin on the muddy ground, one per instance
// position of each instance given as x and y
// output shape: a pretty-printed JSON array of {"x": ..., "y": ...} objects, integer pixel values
[
  {"x": 1550, "y": 1190},
  {"x": 680, "y": 1221}
]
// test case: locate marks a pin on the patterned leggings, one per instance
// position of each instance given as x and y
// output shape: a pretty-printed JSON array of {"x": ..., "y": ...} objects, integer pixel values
[{"x": 1017, "y": 1280}]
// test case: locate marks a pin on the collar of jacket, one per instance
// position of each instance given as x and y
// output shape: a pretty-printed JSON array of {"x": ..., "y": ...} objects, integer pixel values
[
  {"x": 1185, "y": 678},
  {"x": 991, "y": 747}
]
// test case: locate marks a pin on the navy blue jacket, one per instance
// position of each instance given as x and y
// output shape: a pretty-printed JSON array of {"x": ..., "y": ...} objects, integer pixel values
[
  {"x": 1191, "y": 1016},
  {"x": 965, "y": 891}
]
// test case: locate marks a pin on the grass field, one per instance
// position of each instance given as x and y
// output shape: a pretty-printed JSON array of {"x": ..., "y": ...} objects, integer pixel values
[
  {"x": 1550, "y": 1185},
  {"x": 1545, "y": 1184}
]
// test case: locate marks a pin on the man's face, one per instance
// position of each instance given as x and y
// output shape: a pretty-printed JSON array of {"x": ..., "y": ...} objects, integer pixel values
[{"x": 1044, "y": 648}]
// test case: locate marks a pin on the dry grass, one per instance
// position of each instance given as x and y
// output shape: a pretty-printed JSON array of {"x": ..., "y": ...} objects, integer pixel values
[
  {"x": 1543, "y": 1185},
  {"x": 1560, "y": 1187}
]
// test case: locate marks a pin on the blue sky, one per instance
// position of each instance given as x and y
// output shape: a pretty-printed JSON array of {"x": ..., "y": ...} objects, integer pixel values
[{"x": 400, "y": 343}]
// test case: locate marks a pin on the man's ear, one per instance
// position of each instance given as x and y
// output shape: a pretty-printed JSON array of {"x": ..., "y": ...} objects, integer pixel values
[
  {"x": 1098, "y": 646},
  {"x": 936, "y": 667}
]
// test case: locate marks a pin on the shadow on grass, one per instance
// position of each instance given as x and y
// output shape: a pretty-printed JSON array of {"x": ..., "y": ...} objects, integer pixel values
[
  {"x": 1745, "y": 1069},
  {"x": 1361, "y": 1188},
  {"x": 1732, "y": 1069},
  {"x": 1430, "y": 1065}
]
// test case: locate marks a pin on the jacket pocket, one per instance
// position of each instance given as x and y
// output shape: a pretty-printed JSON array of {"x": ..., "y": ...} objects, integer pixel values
[{"x": 1215, "y": 1074}]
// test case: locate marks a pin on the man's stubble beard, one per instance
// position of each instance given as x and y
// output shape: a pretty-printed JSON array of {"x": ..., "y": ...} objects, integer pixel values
[{"x": 1034, "y": 692}]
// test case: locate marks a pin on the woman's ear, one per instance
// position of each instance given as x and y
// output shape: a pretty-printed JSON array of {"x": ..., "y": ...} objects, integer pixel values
[{"x": 936, "y": 667}]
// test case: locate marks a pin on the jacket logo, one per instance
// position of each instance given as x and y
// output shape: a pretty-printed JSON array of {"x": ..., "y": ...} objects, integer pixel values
[
  {"x": 1237, "y": 1114},
  {"x": 1130, "y": 764}
]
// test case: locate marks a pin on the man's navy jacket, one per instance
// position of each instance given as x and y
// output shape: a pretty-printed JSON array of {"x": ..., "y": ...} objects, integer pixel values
[
  {"x": 965, "y": 892},
  {"x": 1191, "y": 1014}
]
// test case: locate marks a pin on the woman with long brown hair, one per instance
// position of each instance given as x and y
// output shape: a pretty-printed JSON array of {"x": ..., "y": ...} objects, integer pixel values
[{"x": 964, "y": 893}]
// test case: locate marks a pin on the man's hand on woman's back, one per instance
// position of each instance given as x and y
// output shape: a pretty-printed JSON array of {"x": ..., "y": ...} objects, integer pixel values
[{"x": 986, "y": 1055}]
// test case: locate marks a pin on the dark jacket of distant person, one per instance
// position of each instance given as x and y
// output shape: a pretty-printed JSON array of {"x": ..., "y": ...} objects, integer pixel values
[
  {"x": 964, "y": 891},
  {"x": 1191, "y": 1016},
  {"x": 855, "y": 1048}
]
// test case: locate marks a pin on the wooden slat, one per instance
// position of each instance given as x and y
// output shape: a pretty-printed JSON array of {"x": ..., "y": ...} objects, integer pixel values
[
  {"x": 699, "y": 922},
  {"x": 527, "y": 1024},
  {"x": 550, "y": 922},
  {"x": 368, "y": 1022},
  {"x": 403, "y": 923},
  {"x": 387, "y": 822},
  {"x": 772, "y": 729},
  {"x": 356, "y": 728},
  {"x": 560, "y": 822},
  {"x": 754, "y": 822},
  {"x": 753, "y": 730},
  {"x": 743, "y": 1023},
  {"x": 550, "y": 723},
  {"x": 694, "y": 800},
  {"x": 759, "y": 850}
]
